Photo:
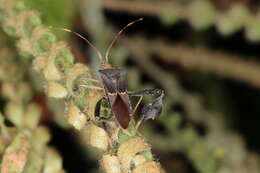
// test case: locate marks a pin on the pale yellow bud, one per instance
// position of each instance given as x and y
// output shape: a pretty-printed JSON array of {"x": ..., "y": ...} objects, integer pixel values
[
  {"x": 39, "y": 62},
  {"x": 18, "y": 22},
  {"x": 77, "y": 70},
  {"x": 56, "y": 90},
  {"x": 149, "y": 167},
  {"x": 111, "y": 164},
  {"x": 51, "y": 72},
  {"x": 14, "y": 112},
  {"x": 16, "y": 154},
  {"x": 96, "y": 137},
  {"x": 53, "y": 161},
  {"x": 24, "y": 45},
  {"x": 138, "y": 160},
  {"x": 24, "y": 91},
  {"x": 75, "y": 117},
  {"x": 32, "y": 116},
  {"x": 129, "y": 149},
  {"x": 8, "y": 90},
  {"x": 40, "y": 138},
  {"x": 91, "y": 101}
]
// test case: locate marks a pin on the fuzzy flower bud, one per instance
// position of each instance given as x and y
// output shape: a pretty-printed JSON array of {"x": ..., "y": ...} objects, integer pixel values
[
  {"x": 96, "y": 136},
  {"x": 56, "y": 90},
  {"x": 75, "y": 117},
  {"x": 110, "y": 164}
]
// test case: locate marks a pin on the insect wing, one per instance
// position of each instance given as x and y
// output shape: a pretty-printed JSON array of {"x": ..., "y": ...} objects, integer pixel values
[
  {"x": 124, "y": 96},
  {"x": 121, "y": 111}
]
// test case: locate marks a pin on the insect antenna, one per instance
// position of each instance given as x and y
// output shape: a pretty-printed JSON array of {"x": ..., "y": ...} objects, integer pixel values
[
  {"x": 80, "y": 36},
  {"x": 117, "y": 35}
]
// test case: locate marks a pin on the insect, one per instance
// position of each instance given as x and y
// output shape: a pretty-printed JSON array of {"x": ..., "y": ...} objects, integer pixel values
[{"x": 113, "y": 80}]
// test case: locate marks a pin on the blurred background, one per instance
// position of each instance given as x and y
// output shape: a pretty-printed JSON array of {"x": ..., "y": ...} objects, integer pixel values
[{"x": 203, "y": 53}]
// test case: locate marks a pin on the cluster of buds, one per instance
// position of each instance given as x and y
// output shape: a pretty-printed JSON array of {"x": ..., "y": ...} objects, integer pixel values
[{"x": 124, "y": 149}]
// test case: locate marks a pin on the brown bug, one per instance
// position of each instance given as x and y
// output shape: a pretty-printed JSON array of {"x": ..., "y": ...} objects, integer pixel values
[{"x": 113, "y": 80}]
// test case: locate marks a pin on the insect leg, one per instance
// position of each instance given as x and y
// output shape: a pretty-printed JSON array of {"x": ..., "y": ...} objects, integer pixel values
[
  {"x": 81, "y": 86},
  {"x": 137, "y": 104},
  {"x": 91, "y": 79},
  {"x": 138, "y": 123},
  {"x": 90, "y": 86}
]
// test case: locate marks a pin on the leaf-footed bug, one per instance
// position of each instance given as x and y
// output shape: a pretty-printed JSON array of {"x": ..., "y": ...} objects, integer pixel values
[{"x": 113, "y": 80}]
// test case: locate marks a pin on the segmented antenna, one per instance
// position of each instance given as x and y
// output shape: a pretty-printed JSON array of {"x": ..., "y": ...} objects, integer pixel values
[
  {"x": 80, "y": 36},
  {"x": 117, "y": 35},
  {"x": 92, "y": 46}
]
